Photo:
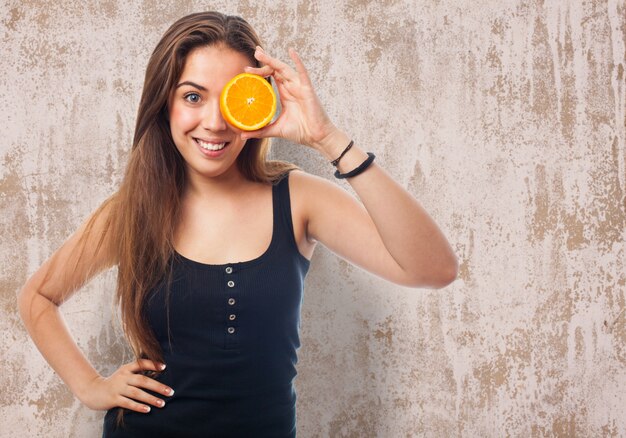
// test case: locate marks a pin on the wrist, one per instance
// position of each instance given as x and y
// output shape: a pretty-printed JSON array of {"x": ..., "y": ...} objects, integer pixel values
[
  {"x": 332, "y": 144},
  {"x": 85, "y": 390}
]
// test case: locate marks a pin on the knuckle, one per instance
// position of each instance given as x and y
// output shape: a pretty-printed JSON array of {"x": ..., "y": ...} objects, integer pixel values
[
  {"x": 126, "y": 403},
  {"x": 144, "y": 381},
  {"x": 134, "y": 392},
  {"x": 137, "y": 380}
]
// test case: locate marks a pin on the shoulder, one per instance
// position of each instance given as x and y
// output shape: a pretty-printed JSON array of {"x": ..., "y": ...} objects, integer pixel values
[
  {"x": 303, "y": 184},
  {"x": 304, "y": 191},
  {"x": 313, "y": 192},
  {"x": 316, "y": 201}
]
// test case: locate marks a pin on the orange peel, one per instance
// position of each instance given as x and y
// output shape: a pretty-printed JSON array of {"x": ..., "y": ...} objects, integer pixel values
[{"x": 248, "y": 102}]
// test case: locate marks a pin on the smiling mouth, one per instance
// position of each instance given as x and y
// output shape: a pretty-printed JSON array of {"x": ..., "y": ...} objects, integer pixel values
[{"x": 211, "y": 146}]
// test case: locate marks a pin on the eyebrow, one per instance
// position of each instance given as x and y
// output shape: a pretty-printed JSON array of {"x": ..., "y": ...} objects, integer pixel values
[{"x": 193, "y": 84}]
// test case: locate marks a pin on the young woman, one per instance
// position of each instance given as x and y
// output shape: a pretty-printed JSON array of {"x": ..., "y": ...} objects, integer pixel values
[{"x": 212, "y": 243}]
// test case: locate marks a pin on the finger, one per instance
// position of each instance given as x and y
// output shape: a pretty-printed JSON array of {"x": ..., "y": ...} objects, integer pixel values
[
  {"x": 303, "y": 74},
  {"x": 267, "y": 131},
  {"x": 144, "y": 364},
  {"x": 280, "y": 78},
  {"x": 146, "y": 382},
  {"x": 276, "y": 64},
  {"x": 264, "y": 71},
  {"x": 134, "y": 393},
  {"x": 127, "y": 403}
]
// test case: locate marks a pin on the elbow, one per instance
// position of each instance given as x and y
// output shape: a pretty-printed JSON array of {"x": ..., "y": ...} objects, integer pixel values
[
  {"x": 448, "y": 273},
  {"x": 447, "y": 276},
  {"x": 437, "y": 277},
  {"x": 25, "y": 298},
  {"x": 30, "y": 304}
]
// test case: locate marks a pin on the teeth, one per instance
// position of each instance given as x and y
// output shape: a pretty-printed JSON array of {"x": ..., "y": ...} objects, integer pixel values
[{"x": 211, "y": 146}]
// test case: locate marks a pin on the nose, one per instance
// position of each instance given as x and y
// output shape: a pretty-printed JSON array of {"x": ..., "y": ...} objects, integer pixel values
[{"x": 212, "y": 119}]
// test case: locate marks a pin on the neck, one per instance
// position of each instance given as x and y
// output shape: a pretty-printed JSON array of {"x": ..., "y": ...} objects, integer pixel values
[{"x": 221, "y": 186}]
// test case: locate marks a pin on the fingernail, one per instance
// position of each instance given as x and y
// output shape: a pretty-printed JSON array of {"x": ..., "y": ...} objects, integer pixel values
[
  {"x": 162, "y": 366},
  {"x": 146, "y": 408},
  {"x": 170, "y": 391},
  {"x": 161, "y": 403}
]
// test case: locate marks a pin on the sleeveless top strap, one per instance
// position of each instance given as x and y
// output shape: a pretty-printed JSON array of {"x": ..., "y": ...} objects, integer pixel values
[{"x": 285, "y": 215}]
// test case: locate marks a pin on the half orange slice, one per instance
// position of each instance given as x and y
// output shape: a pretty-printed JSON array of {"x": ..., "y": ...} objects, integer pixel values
[{"x": 248, "y": 102}]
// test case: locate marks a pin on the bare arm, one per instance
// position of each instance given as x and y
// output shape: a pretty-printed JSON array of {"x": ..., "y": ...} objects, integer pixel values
[
  {"x": 80, "y": 258},
  {"x": 416, "y": 249},
  {"x": 391, "y": 234}
]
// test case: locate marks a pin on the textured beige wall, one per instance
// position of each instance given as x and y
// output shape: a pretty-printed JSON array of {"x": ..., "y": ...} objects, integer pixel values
[{"x": 507, "y": 121}]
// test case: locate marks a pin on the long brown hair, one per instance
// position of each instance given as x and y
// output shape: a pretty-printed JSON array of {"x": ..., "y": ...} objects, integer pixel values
[{"x": 145, "y": 210}]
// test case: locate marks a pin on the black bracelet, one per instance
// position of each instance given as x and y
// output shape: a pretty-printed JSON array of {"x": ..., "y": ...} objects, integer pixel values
[
  {"x": 336, "y": 161},
  {"x": 364, "y": 165}
]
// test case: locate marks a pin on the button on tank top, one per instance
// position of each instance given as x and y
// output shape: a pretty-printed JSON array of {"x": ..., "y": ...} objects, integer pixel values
[{"x": 229, "y": 338}]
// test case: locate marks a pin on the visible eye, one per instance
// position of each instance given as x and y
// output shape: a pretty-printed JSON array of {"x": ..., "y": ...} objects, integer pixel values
[{"x": 192, "y": 97}]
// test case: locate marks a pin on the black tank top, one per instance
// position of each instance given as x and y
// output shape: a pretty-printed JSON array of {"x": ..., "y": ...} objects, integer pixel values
[{"x": 231, "y": 346}]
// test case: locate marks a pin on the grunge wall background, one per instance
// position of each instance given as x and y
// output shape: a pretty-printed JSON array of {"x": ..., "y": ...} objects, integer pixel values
[{"x": 505, "y": 119}]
